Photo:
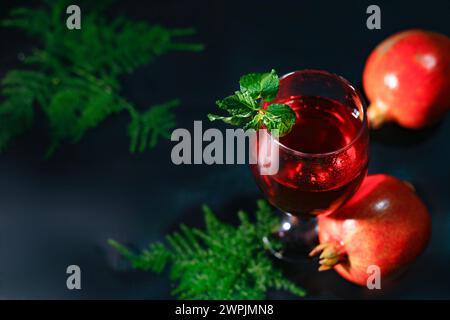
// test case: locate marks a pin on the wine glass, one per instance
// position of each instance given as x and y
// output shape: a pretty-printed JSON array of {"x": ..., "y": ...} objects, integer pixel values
[{"x": 321, "y": 162}]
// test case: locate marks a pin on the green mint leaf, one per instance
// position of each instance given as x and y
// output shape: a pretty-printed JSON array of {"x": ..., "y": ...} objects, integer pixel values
[
  {"x": 280, "y": 117},
  {"x": 238, "y": 104},
  {"x": 245, "y": 108},
  {"x": 241, "y": 107},
  {"x": 255, "y": 123},
  {"x": 233, "y": 120},
  {"x": 260, "y": 85}
]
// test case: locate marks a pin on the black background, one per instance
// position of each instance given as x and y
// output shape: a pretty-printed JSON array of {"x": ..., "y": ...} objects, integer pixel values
[{"x": 60, "y": 212}]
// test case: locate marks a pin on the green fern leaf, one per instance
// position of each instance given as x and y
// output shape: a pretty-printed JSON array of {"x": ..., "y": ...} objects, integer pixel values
[
  {"x": 75, "y": 77},
  {"x": 152, "y": 259},
  {"x": 145, "y": 129},
  {"x": 220, "y": 262},
  {"x": 20, "y": 89}
]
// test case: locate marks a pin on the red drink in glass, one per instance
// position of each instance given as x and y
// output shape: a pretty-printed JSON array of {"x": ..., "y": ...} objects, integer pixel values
[{"x": 320, "y": 162}]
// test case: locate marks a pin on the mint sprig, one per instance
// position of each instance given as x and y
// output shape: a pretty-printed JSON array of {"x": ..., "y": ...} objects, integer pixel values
[{"x": 245, "y": 106}]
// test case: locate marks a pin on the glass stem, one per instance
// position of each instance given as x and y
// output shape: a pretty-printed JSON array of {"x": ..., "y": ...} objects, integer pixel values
[
  {"x": 298, "y": 237},
  {"x": 303, "y": 230}
]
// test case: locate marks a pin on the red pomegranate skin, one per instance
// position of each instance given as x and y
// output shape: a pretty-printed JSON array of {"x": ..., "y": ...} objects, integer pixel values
[
  {"x": 407, "y": 79},
  {"x": 384, "y": 224}
]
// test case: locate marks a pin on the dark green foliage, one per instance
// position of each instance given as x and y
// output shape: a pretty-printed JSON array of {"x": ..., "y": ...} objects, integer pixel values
[
  {"x": 74, "y": 76},
  {"x": 260, "y": 85},
  {"x": 145, "y": 129},
  {"x": 245, "y": 108},
  {"x": 220, "y": 262}
]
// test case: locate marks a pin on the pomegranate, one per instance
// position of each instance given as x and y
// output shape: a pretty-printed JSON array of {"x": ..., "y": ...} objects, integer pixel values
[
  {"x": 383, "y": 224},
  {"x": 407, "y": 79}
]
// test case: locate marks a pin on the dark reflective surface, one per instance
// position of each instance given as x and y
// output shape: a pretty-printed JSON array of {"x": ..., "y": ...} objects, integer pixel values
[{"x": 60, "y": 212}]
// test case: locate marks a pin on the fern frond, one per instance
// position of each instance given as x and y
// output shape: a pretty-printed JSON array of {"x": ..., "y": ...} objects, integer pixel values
[
  {"x": 76, "y": 74},
  {"x": 97, "y": 108},
  {"x": 35, "y": 22},
  {"x": 29, "y": 83},
  {"x": 146, "y": 128},
  {"x": 112, "y": 48},
  {"x": 16, "y": 117},
  {"x": 279, "y": 282},
  {"x": 222, "y": 261},
  {"x": 20, "y": 90},
  {"x": 191, "y": 239},
  {"x": 152, "y": 259}
]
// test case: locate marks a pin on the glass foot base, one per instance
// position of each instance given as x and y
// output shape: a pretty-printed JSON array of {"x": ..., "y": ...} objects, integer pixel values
[{"x": 293, "y": 239}]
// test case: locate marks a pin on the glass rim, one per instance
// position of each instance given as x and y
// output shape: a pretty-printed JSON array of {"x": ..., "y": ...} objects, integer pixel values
[{"x": 347, "y": 146}]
